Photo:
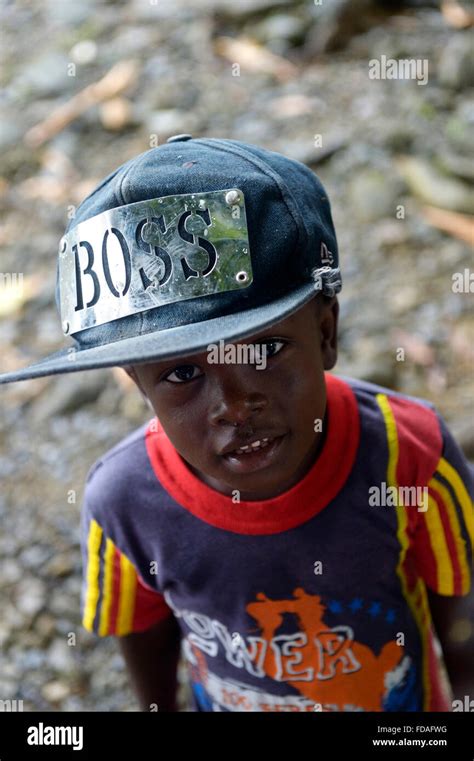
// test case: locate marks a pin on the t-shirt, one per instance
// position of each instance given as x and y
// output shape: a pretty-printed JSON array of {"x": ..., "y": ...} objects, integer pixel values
[{"x": 313, "y": 600}]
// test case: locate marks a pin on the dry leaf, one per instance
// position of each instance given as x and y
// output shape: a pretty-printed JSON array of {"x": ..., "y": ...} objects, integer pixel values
[
  {"x": 116, "y": 113},
  {"x": 253, "y": 57},
  {"x": 415, "y": 347},
  {"x": 459, "y": 225},
  {"x": 289, "y": 106},
  {"x": 455, "y": 15},
  {"x": 119, "y": 78}
]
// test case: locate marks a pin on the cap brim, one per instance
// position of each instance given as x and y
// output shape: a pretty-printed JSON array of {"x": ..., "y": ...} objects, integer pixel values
[{"x": 166, "y": 344}]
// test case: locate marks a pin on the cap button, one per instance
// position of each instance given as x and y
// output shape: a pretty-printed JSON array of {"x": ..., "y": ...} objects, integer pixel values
[{"x": 179, "y": 138}]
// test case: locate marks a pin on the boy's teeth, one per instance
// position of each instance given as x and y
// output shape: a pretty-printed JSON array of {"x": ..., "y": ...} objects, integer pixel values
[{"x": 248, "y": 448}]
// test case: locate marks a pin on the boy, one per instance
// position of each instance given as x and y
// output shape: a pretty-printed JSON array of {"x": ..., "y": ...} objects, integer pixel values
[{"x": 304, "y": 538}]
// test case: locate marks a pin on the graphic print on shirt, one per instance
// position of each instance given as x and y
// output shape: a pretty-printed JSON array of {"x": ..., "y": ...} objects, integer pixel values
[{"x": 325, "y": 667}]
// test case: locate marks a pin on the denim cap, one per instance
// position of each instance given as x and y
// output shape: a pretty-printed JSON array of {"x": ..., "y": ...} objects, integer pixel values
[{"x": 192, "y": 242}]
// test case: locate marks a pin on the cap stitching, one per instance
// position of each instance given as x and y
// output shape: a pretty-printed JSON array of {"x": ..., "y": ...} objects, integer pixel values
[
  {"x": 121, "y": 191},
  {"x": 242, "y": 153}
]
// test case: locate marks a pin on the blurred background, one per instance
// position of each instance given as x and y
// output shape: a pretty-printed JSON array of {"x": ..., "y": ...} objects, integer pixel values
[{"x": 88, "y": 84}]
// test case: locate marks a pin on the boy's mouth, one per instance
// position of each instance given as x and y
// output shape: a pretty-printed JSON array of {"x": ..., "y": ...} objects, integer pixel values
[{"x": 255, "y": 455}]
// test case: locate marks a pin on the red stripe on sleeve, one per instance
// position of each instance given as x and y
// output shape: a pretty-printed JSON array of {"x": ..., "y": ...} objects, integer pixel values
[
  {"x": 150, "y": 607},
  {"x": 114, "y": 608},
  {"x": 420, "y": 442}
]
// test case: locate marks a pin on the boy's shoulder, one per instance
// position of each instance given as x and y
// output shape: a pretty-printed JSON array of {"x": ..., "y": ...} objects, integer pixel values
[
  {"x": 407, "y": 426},
  {"x": 410, "y": 428},
  {"x": 364, "y": 390},
  {"x": 121, "y": 472},
  {"x": 381, "y": 405},
  {"x": 125, "y": 450}
]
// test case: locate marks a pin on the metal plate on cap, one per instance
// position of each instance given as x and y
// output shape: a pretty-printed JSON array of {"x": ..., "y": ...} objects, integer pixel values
[{"x": 146, "y": 254}]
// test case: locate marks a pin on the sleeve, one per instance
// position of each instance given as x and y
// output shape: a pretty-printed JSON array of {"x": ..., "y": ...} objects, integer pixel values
[
  {"x": 114, "y": 598},
  {"x": 445, "y": 525}
]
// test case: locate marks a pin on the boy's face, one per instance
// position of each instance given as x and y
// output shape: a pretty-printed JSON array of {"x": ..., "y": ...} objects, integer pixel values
[{"x": 209, "y": 411}]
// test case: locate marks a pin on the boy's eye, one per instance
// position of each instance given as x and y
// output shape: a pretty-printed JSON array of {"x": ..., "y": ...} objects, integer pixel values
[
  {"x": 268, "y": 348},
  {"x": 183, "y": 373}
]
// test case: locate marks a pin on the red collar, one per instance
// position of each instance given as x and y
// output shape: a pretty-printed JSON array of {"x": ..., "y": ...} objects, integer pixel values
[{"x": 270, "y": 516}]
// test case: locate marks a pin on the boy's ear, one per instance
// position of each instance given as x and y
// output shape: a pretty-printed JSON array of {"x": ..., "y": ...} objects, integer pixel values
[
  {"x": 328, "y": 320},
  {"x": 132, "y": 374}
]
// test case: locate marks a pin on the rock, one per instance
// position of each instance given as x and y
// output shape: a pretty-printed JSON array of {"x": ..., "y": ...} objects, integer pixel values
[
  {"x": 46, "y": 75},
  {"x": 464, "y": 435},
  {"x": 60, "y": 565},
  {"x": 10, "y": 572},
  {"x": 45, "y": 626},
  {"x": 404, "y": 298},
  {"x": 7, "y": 688},
  {"x": 390, "y": 233},
  {"x": 5, "y": 634},
  {"x": 400, "y": 137},
  {"x": 30, "y": 658},
  {"x": 10, "y": 130},
  {"x": 69, "y": 393},
  {"x": 456, "y": 65},
  {"x": 84, "y": 52},
  {"x": 335, "y": 23},
  {"x": 373, "y": 194},
  {"x": 171, "y": 121},
  {"x": 9, "y": 669},
  {"x": 59, "y": 603},
  {"x": 307, "y": 153},
  {"x": 381, "y": 371},
  {"x": 55, "y": 692},
  {"x": 461, "y": 166},
  {"x": 8, "y": 545},
  {"x": 30, "y": 596},
  {"x": 279, "y": 31},
  {"x": 73, "y": 704},
  {"x": 13, "y": 618},
  {"x": 460, "y": 126},
  {"x": 434, "y": 188},
  {"x": 70, "y": 14},
  {"x": 34, "y": 556},
  {"x": 228, "y": 9},
  {"x": 60, "y": 656}
]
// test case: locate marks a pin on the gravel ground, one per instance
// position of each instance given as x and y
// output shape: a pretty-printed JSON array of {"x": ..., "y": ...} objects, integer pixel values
[{"x": 386, "y": 150}]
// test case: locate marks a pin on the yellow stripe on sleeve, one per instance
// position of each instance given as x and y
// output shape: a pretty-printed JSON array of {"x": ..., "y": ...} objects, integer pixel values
[
  {"x": 461, "y": 550},
  {"x": 392, "y": 438},
  {"x": 107, "y": 588},
  {"x": 128, "y": 586},
  {"x": 439, "y": 546},
  {"x": 92, "y": 574},
  {"x": 416, "y": 598},
  {"x": 451, "y": 475}
]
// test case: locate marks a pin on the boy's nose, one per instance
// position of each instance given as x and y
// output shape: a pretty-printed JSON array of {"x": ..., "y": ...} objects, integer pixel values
[{"x": 236, "y": 408}]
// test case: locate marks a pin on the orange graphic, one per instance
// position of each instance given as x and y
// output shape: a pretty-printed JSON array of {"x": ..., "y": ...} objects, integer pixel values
[{"x": 330, "y": 668}]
